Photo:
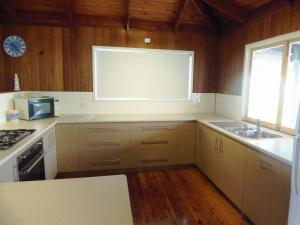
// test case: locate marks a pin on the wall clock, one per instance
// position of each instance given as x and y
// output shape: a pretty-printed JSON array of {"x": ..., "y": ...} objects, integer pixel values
[{"x": 14, "y": 46}]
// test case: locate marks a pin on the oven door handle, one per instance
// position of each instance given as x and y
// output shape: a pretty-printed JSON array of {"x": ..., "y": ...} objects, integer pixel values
[{"x": 34, "y": 164}]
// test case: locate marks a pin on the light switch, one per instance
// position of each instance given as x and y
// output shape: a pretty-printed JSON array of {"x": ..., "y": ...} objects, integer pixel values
[{"x": 147, "y": 40}]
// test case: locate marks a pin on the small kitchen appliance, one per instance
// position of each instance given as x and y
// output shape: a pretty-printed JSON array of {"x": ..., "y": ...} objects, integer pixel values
[{"x": 37, "y": 108}]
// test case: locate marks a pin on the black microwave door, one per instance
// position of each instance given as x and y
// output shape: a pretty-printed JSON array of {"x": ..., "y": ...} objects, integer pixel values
[{"x": 41, "y": 108}]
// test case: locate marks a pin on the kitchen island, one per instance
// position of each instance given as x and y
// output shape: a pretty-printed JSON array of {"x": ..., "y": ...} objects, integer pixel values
[{"x": 89, "y": 201}]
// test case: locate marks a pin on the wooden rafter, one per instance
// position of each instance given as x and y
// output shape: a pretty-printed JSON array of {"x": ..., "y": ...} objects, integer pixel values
[
  {"x": 180, "y": 14},
  {"x": 270, "y": 7},
  {"x": 207, "y": 15},
  {"x": 229, "y": 8},
  {"x": 10, "y": 10},
  {"x": 69, "y": 10},
  {"x": 292, "y": 2},
  {"x": 127, "y": 15}
]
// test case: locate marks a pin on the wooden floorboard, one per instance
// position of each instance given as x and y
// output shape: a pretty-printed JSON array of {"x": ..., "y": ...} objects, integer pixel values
[{"x": 177, "y": 197}]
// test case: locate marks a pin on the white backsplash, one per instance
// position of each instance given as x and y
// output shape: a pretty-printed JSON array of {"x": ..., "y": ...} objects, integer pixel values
[
  {"x": 229, "y": 105},
  {"x": 84, "y": 103}
]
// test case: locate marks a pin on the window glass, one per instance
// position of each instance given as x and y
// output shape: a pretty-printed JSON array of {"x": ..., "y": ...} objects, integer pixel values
[
  {"x": 292, "y": 87},
  {"x": 265, "y": 81}
]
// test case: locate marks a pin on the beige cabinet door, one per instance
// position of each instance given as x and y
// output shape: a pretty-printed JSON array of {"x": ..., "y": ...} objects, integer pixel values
[
  {"x": 199, "y": 151},
  {"x": 67, "y": 147},
  {"x": 211, "y": 154},
  {"x": 267, "y": 189},
  {"x": 231, "y": 169},
  {"x": 186, "y": 143}
]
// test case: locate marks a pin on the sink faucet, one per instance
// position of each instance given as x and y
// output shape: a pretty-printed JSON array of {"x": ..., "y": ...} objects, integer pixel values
[{"x": 258, "y": 127}]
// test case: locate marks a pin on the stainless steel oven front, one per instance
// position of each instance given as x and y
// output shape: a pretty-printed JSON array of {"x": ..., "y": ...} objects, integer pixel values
[{"x": 31, "y": 165}]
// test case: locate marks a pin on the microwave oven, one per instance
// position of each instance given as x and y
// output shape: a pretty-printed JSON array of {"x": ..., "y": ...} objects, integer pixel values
[{"x": 37, "y": 108}]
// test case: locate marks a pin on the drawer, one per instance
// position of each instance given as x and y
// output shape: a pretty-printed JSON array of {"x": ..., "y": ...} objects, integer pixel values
[
  {"x": 104, "y": 141},
  {"x": 154, "y": 126},
  {"x": 154, "y": 136},
  {"x": 156, "y": 157},
  {"x": 102, "y": 127},
  {"x": 154, "y": 140},
  {"x": 104, "y": 160}
]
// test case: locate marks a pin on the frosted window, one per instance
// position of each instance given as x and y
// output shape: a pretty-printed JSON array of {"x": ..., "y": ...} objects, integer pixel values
[
  {"x": 292, "y": 87},
  {"x": 265, "y": 80},
  {"x": 142, "y": 74}
]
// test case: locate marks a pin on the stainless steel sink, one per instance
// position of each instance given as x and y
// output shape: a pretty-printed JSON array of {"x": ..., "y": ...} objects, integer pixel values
[{"x": 244, "y": 130}]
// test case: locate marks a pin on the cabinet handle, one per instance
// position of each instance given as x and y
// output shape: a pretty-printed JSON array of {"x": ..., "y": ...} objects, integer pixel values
[
  {"x": 221, "y": 146},
  {"x": 155, "y": 142},
  {"x": 155, "y": 128},
  {"x": 265, "y": 165},
  {"x": 154, "y": 159},
  {"x": 91, "y": 129},
  {"x": 105, "y": 143},
  {"x": 106, "y": 162}
]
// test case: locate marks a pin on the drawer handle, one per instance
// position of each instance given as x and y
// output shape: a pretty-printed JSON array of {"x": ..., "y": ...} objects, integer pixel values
[
  {"x": 93, "y": 144},
  {"x": 106, "y": 162},
  {"x": 103, "y": 129},
  {"x": 154, "y": 159},
  {"x": 155, "y": 128},
  {"x": 265, "y": 165},
  {"x": 155, "y": 142}
]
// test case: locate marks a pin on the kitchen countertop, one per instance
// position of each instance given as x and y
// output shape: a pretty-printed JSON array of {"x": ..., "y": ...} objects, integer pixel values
[
  {"x": 80, "y": 201},
  {"x": 279, "y": 148}
]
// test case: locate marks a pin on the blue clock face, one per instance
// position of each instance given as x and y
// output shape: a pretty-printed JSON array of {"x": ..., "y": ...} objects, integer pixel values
[{"x": 14, "y": 46}]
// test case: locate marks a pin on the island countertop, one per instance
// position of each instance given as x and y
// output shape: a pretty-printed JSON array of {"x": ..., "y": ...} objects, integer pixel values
[{"x": 80, "y": 201}]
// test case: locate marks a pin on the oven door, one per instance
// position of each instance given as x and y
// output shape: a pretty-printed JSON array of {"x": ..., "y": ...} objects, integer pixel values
[
  {"x": 41, "y": 108},
  {"x": 34, "y": 170}
]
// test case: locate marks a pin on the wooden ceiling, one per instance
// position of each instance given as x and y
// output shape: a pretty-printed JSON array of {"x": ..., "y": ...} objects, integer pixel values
[{"x": 177, "y": 15}]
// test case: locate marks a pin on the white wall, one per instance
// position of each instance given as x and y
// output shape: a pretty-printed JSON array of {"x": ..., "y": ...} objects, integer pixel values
[
  {"x": 84, "y": 103},
  {"x": 6, "y": 103},
  {"x": 229, "y": 105}
]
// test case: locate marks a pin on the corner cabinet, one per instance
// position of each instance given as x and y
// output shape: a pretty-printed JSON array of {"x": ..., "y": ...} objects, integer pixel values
[
  {"x": 222, "y": 161},
  {"x": 49, "y": 143},
  {"x": 67, "y": 147},
  {"x": 267, "y": 189},
  {"x": 186, "y": 142},
  {"x": 256, "y": 183}
]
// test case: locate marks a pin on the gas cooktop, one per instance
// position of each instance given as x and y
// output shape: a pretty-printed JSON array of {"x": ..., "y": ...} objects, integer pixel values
[{"x": 10, "y": 137}]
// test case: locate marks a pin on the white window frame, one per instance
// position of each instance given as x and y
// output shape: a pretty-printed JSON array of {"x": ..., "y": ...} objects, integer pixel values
[
  {"x": 190, "y": 79},
  {"x": 285, "y": 40}
]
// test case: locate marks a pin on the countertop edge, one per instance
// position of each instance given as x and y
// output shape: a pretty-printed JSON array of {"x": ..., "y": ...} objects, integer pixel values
[{"x": 189, "y": 117}]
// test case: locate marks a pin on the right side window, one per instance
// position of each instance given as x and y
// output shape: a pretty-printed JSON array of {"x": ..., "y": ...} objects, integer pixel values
[
  {"x": 292, "y": 87},
  {"x": 274, "y": 85}
]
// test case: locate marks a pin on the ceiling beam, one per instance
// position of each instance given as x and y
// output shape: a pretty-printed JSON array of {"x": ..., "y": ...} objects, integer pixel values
[
  {"x": 208, "y": 17},
  {"x": 59, "y": 19},
  {"x": 127, "y": 15},
  {"x": 47, "y": 19},
  {"x": 68, "y": 4},
  {"x": 180, "y": 14},
  {"x": 292, "y": 2},
  {"x": 10, "y": 10},
  {"x": 270, "y": 7},
  {"x": 229, "y": 8}
]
